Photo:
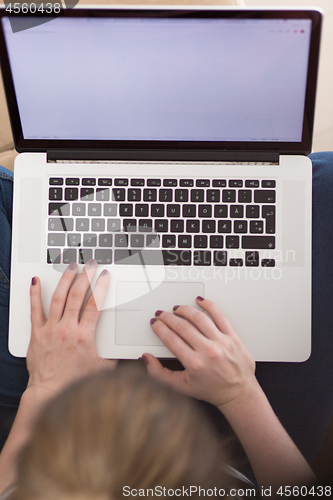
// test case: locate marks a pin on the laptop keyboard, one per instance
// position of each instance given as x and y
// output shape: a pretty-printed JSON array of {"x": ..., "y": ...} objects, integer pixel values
[{"x": 199, "y": 222}]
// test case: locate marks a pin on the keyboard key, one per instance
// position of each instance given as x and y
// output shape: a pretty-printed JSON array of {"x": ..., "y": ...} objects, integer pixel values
[
  {"x": 224, "y": 226},
  {"x": 256, "y": 226},
  {"x": 56, "y": 239},
  {"x": 161, "y": 225},
  {"x": 121, "y": 240},
  {"x": 220, "y": 211},
  {"x": 137, "y": 182},
  {"x": 170, "y": 182},
  {"x": 82, "y": 224},
  {"x": 121, "y": 182},
  {"x": 98, "y": 225},
  {"x": 145, "y": 225},
  {"x": 86, "y": 194},
  {"x": 202, "y": 258},
  {"x": 110, "y": 209},
  {"x": 168, "y": 241},
  {"x": 236, "y": 211},
  {"x": 220, "y": 258},
  {"x": 202, "y": 183},
  {"x": 94, "y": 209},
  {"x": 154, "y": 182},
  {"x": 186, "y": 183},
  {"x": 268, "y": 184},
  {"x": 177, "y": 257},
  {"x": 103, "y": 256},
  {"x": 177, "y": 226},
  {"x": 85, "y": 254},
  {"x": 208, "y": 226},
  {"x": 157, "y": 210},
  {"x": 153, "y": 257},
  {"x": 200, "y": 241},
  {"x": 53, "y": 255},
  {"x": 70, "y": 181},
  {"x": 268, "y": 262},
  {"x": 74, "y": 240},
  {"x": 165, "y": 195},
  {"x": 252, "y": 259},
  {"x": 55, "y": 194},
  {"x": 129, "y": 225},
  {"x": 240, "y": 226},
  {"x": 134, "y": 195},
  {"x": 193, "y": 226},
  {"x": 252, "y": 184},
  {"x": 244, "y": 196},
  {"x": 258, "y": 242},
  {"x": 113, "y": 225},
  {"x": 153, "y": 240},
  {"x": 205, "y": 211},
  {"x": 213, "y": 196},
  {"x": 252, "y": 211},
  {"x": 173, "y": 210},
  {"x": 150, "y": 195},
  {"x": 235, "y": 262},
  {"x": 221, "y": 183},
  {"x": 90, "y": 240},
  {"x": 181, "y": 195},
  {"x": 264, "y": 196},
  {"x": 88, "y": 182},
  {"x": 141, "y": 210},
  {"x": 105, "y": 240},
  {"x": 268, "y": 213},
  {"x": 105, "y": 182},
  {"x": 79, "y": 209},
  {"x": 229, "y": 195},
  {"x": 235, "y": 183},
  {"x": 102, "y": 194},
  {"x": 118, "y": 194},
  {"x": 197, "y": 195},
  {"x": 232, "y": 241},
  {"x": 216, "y": 242},
  {"x": 69, "y": 255},
  {"x": 58, "y": 209},
  {"x": 189, "y": 211},
  {"x": 56, "y": 181},
  {"x": 125, "y": 210},
  {"x": 60, "y": 224},
  {"x": 184, "y": 241},
  {"x": 138, "y": 240}
]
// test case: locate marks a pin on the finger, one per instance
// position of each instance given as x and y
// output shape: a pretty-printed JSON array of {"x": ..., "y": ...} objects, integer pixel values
[
  {"x": 172, "y": 340},
  {"x": 200, "y": 320},
  {"x": 78, "y": 292},
  {"x": 37, "y": 313},
  {"x": 95, "y": 301},
  {"x": 59, "y": 297},
  {"x": 219, "y": 318},
  {"x": 175, "y": 379},
  {"x": 188, "y": 332}
]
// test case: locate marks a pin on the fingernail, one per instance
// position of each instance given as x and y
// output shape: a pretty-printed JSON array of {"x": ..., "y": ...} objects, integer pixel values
[
  {"x": 33, "y": 281},
  {"x": 152, "y": 321},
  {"x": 72, "y": 266},
  {"x": 104, "y": 272},
  {"x": 158, "y": 313},
  {"x": 145, "y": 359},
  {"x": 199, "y": 298},
  {"x": 175, "y": 308},
  {"x": 90, "y": 262}
]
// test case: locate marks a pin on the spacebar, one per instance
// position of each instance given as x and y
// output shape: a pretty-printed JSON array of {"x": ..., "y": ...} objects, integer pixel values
[
  {"x": 251, "y": 242},
  {"x": 153, "y": 257}
]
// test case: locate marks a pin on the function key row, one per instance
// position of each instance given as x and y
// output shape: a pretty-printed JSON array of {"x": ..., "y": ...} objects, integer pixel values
[{"x": 89, "y": 181}]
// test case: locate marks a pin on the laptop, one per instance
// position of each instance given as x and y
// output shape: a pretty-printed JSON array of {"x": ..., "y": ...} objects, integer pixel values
[{"x": 169, "y": 144}]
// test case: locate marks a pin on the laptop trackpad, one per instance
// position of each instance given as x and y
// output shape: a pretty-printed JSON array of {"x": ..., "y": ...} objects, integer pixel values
[{"x": 133, "y": 317}]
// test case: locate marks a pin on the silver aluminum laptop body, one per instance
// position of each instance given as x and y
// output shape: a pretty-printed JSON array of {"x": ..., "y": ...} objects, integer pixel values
[{"x": 213, "y": 102}]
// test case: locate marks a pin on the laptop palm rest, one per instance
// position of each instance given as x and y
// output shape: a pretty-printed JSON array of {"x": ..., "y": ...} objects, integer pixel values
[{"x": 133, "y": 317}]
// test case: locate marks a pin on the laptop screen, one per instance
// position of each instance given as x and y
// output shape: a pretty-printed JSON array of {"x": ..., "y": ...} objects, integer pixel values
[{"x": 161, "y": 79}]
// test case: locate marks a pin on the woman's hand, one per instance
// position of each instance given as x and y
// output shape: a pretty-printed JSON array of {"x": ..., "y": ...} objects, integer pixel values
[
  {"x": 62, "y": 347},
  {"x": 218, "y": 367}
]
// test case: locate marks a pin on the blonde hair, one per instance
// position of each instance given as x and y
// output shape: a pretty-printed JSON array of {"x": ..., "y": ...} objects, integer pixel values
[{"x": 114, "y": 429}]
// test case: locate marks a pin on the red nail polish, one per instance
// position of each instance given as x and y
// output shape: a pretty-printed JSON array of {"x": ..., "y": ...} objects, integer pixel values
[
  {"x": 199, "y": 298},
  {"x": 158, "y": 313},
  {"x": 33, "y": 281},
  {"x": 152, "y": 321},
  {"x": 175, "y": 308}
]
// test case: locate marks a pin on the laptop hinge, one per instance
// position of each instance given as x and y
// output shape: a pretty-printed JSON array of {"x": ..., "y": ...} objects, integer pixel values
[{"x": 161, "y": 155}]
